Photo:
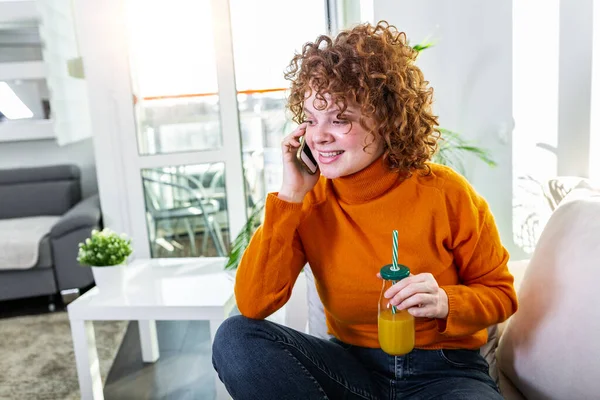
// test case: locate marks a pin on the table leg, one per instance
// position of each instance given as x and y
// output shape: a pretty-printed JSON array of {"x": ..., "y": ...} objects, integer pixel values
[
  {"x": 220, "y": 388},
  {"x": 149, "y": 340},
  {"x": 86, "y": 360}
]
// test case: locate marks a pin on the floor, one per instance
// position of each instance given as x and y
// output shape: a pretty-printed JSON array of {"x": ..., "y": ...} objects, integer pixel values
[{"x": 183, "y": 371}]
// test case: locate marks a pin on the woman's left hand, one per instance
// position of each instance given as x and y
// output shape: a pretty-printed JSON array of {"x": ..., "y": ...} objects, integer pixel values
[{"x": 420, "y": 295}]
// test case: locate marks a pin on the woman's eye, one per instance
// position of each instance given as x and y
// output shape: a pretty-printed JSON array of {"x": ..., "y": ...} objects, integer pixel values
[
  {"x": 340, "y": 122},
  {"x": 308, "y": 121}
]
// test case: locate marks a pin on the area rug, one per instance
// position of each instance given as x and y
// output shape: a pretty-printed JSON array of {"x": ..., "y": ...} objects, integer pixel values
[{"x": 37, "y": 359}]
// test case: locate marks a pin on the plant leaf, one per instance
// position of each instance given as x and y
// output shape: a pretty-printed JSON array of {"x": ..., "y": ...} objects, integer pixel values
[
  {"x": 241, "y": 241},
  {"x": 453, "y": 147},
  {"x": 422, "y": 46}
]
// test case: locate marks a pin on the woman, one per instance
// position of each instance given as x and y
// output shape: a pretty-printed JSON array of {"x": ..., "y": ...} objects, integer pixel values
[{"x": 365, "y": 111}]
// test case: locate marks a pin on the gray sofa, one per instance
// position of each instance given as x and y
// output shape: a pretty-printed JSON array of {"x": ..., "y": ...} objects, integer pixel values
[{"x": 48, "y": 191}]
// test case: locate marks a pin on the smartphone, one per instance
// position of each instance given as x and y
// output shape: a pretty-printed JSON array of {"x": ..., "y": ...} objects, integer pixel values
[{"x": 305, "y": 157}]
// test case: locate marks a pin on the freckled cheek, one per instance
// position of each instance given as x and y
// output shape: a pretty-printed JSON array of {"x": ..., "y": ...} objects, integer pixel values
[
  {"x": 355, "y": 129},
  {"x": 308, "y": 135}
]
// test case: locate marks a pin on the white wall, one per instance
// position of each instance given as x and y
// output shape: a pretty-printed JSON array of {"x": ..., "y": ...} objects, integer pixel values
[
  {"x": 68, "y": 94},
  {"x": 575, "y": 86},
  {"x": 535, "y": 94},
  {"x": 48, "y": 152},
  {"x": 595, "y": 101},
  {"x": 470, "y": 69}
]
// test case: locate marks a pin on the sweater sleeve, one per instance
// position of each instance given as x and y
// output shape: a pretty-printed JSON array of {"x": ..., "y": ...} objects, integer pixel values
[
  {"x": 486, "y": 295},
  {"x": 272, "y": 261}
]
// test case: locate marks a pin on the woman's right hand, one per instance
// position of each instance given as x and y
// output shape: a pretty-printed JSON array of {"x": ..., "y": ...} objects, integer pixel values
[{"x": 296, "y": 182}]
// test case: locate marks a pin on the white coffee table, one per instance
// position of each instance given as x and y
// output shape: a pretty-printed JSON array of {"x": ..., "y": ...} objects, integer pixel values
[{"x": 159, "y": 289}]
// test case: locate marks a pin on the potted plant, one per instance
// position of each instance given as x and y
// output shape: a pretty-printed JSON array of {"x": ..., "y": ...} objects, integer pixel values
[{"x": 106, "y": 252}]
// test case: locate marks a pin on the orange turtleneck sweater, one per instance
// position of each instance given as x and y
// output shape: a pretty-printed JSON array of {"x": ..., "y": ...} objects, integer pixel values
[{"x": 343, "y": 229}]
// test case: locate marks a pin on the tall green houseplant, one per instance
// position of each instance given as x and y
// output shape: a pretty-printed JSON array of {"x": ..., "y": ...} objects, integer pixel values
[{"x": 451, "y": 152}]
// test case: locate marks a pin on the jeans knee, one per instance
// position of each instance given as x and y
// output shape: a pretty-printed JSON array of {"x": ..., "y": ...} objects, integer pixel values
[
  {"x": 228, "y": 331},
  {"x": 232, "y": 341}
]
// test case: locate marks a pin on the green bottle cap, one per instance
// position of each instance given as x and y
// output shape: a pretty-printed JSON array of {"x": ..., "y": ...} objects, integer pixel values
[{"x": 389, "y": 274}]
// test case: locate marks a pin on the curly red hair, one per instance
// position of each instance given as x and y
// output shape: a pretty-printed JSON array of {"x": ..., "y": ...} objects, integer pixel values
[{"x": 372, "y": 66}]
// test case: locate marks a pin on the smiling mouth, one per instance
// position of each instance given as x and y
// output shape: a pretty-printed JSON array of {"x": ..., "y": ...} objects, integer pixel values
[{"x": 330, "y": 154}]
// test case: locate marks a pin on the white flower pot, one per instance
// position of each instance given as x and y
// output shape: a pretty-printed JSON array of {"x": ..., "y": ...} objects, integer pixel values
[{"x": 110, "y": 279}]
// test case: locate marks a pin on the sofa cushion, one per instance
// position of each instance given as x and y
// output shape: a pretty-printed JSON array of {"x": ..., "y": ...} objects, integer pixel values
[
  {"x": 488, "y": 350},
  {"x": 21, "y": 240},
  {"x": 550, "y": 347},
  {"x": 27, "y": 192}
]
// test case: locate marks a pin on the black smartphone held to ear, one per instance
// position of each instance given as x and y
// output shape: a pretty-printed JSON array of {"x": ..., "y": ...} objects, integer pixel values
[{"x": 306, "y": 158}]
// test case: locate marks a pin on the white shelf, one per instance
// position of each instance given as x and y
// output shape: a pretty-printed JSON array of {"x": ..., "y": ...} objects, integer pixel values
[
  {"x": 19, "y": 131},
  {"x": 22, "y": 70},
  {"x": 17, "y": 11}
]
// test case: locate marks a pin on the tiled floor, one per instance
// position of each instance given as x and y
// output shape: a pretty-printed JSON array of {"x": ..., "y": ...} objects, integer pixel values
[{"x": 183, "y": 371}]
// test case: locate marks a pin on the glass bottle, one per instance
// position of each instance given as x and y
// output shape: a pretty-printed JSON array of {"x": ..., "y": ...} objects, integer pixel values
[{"x": 396, "y": 327}]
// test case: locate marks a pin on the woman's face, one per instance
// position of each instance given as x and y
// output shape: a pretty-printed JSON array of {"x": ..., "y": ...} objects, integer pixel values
[{"x": 338, "y": 144}]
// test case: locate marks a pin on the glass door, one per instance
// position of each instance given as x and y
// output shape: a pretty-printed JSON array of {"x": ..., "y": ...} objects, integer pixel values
[
  {"x": 178, "y": 109},
  {"x": 187, "y": 130},
  {"x": 161, "y": 79}
]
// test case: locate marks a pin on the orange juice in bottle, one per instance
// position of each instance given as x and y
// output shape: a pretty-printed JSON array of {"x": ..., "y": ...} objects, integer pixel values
[{"x": 396, "y": 327}]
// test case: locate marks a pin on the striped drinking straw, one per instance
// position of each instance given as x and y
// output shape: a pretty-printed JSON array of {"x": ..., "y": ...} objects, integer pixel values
[
  {"x": 394, "y": 250},
  {"x": 394, "y": 258}
]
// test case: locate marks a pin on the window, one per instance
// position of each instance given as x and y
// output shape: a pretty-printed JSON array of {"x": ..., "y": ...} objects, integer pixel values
[
  {"x": 263, "y": 45},
  {"x": 174, "y": 76},
  {"x": 535, "y": 112}
]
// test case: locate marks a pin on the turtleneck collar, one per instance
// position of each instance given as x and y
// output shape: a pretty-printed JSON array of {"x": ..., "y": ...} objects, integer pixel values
[{"x": 366, "y": 184}]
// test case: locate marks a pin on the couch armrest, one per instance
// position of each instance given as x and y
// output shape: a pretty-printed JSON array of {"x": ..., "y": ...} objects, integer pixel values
[
  {"x": 69, "y": 274},
  {"x": 508, "y": 389},
  {"x": 73, "y": 228},
  {"x": 84, "y": 214},
  {"x": 517, "y": 269}
]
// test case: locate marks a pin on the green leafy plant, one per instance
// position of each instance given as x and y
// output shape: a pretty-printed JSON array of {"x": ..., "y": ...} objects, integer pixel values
[
  {"x": 423, "y": 45},
  {"x": 452, "y": 149},
  {"x": 104, "y": 248},
  {"x": 451, "y": 152},
  {"x": 241, "y": 241}
]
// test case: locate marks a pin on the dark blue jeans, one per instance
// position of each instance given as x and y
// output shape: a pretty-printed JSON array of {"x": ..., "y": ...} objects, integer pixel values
[{"x": 261, "y": 360}]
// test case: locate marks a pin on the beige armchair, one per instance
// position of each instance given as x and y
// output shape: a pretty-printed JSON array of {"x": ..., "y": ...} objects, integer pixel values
[{"x": 550, "y": 349}]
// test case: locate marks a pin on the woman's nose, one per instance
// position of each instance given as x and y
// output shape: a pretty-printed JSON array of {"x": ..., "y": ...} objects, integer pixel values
[{"x": 320, "y": 134}]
